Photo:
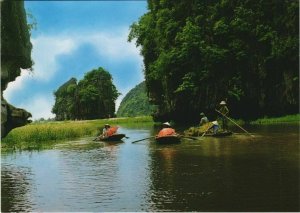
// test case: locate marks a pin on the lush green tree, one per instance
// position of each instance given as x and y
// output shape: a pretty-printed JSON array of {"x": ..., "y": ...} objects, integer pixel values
[
  {"x": 97, "y": 95},
  {"x": 66, "y": 103},
  {"x": 93, "y": 97},
  {"x": 136, "y": 103},
  {"x": 197, "y": 53}
]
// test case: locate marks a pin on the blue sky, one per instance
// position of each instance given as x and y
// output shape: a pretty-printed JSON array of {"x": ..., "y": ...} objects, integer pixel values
[{"x": 72, "y": 38}]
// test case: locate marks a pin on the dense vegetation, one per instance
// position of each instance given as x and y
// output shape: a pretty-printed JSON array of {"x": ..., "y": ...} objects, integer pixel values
[
  {"x": 136, "y": 103},
  {"x": 92, "y": 98},
  {"x": 15, "y": 54},
  {"x": 39, "y": 135},
  {"x": 285, "y": 119},
  {"x": 197, "y": 53},
  {"x": 15, "y": 41}
]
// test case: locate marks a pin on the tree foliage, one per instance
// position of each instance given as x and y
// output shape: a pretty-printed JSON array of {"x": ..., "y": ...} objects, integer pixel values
[
  {"x": 136, "y": 103},
  {"x": 93, "y": 97},
  {"x": 15, "y": 54},
  {"x": 65, "y": 101},
  {"x": 15, "y": 41},
  {"x": 197, "y": 53}
]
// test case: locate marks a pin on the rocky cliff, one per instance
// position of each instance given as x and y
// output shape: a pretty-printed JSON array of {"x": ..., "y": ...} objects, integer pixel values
[{"x": 15, "y": 54}]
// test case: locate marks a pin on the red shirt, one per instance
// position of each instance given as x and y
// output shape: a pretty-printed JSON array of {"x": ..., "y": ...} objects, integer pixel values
[
  {"x": 112, "y": 130},
  {"x": 166, "y": 131}
]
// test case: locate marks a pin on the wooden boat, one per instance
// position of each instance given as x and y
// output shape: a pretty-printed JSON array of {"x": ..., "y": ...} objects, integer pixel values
[
  {"x": 168, "y": 139},
  {"x": 114, "y": 137},
  {"x": 219, "y": 134}
]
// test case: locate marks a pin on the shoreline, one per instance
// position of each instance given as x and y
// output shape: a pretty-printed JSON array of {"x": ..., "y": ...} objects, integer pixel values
[
  {"x": 295, "y": 118},
  {"x": 34, "y": 135}
]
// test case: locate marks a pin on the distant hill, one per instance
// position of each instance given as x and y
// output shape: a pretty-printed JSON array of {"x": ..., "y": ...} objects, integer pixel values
[{"x": 135, "y": 103}]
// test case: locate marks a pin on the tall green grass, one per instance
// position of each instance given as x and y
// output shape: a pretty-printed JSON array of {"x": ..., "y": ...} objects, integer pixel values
[
  {"x": 36, "y": 133},
  {"x": 285, "y": 119}
]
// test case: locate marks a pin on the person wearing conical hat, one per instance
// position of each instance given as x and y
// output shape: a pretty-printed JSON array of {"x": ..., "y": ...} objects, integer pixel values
[
  {"x": 215, "y": 126},
  {"x": 204, "y": 119},
  {"x": 224, "y": 110},
  {"x": 166, "y": 130},
  {"x": 166, "y": 124}
]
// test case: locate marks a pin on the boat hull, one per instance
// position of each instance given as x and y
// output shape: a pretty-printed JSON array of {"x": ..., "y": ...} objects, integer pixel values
[
  {"x": 115, "y": 137},
  {"x": 170, "y": 139}
]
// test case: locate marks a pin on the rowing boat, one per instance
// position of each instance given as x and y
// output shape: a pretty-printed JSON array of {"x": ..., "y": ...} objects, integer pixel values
[
  {"x": 114, "y": 137},
  {"x": 168, "y": 139}
]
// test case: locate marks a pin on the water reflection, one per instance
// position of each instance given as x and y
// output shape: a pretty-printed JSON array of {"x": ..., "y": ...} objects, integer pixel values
[
  {"x": 82, "y": 175},
  {"x": 236, "y": 173},
  {"x": 16, "y": 189},
  {"x": 168, "y": 154},
  {"x": 231, "y": 174}
]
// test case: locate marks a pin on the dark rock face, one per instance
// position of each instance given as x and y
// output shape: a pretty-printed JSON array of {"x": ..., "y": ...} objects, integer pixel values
[
  {"x": 15, "y": 54},
  {"x": 12, "y": 117}
]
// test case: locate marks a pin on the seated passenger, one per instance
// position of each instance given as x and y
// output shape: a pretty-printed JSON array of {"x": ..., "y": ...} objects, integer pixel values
[
  {"x": 215, "y": 126},
  {"x": 204, "y": 119},
  {"x": 166, "y": 130}
]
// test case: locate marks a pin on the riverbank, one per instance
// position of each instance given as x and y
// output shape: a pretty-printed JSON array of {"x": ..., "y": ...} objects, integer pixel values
[
  {"x": 38, "y": 135},
  {"x": 143, "y": 176},
  {"x": 43, "y": 134},
  {"x": 284, "y": 119}
]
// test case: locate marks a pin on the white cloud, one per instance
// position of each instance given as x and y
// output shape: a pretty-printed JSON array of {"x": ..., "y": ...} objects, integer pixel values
[
  {"x": 14, "y": 86},
  {"x": 113, "y": 46},
  {"x": 46, "y": 52},
  {"x": 39, "y": 106}
]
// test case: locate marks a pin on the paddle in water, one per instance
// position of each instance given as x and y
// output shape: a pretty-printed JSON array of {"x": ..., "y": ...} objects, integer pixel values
[{"x": 142, "y": 139}]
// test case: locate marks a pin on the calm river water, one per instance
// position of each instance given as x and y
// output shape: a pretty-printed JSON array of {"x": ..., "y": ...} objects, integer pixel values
[{"x": 236, "y": 173}]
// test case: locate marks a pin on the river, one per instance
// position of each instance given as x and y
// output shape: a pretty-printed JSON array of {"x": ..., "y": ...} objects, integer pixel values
[{"x": 236, "y": 173}]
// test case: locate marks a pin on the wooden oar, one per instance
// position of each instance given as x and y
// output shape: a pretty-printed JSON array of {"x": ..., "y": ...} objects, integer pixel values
[
  {"x": 234, "y": 123},
  {"x": 96, "y": 138},
  {"x": 206, "y": 131},
  {"x": 203, "y": 134},
  {"x": 183, "y": 136},
  {"x": 142, "y": 139}
]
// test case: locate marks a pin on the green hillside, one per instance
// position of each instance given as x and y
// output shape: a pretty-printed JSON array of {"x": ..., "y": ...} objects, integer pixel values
[{"x": 135, "y": 103}]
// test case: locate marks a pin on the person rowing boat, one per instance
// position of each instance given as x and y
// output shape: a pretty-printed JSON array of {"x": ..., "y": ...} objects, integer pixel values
[
  {"x": 105, "y": 131},
  {"x": 108, "y": 132},
  {"x": 167, "y": 135},
  {"x": 166, "y": 130},
  {"x": 225, "y": 111}
]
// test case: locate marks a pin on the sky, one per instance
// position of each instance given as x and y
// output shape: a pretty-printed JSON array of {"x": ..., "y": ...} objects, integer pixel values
[{"x": 72, "y": 38}]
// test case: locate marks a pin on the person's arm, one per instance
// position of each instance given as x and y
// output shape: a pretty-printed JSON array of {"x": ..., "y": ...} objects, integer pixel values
[
  {"x": 201, "y": 122},
  {"x": 173, "y": 132},
  {"x": 104, "y": 132}
]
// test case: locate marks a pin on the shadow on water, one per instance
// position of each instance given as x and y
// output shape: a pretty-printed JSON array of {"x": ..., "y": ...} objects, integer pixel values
[
  {"x": 236, "y": 173},
  {"x": 16, "y": 188}
]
